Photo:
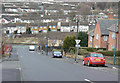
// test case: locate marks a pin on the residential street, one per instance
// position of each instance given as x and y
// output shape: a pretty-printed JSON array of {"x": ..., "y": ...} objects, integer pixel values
[{"x": 37, "y": 67}]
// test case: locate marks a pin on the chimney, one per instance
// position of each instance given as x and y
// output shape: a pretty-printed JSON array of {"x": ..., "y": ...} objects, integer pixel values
[
  {"x": 110, "y": 16},
  {"x": 110, "y": 13}
]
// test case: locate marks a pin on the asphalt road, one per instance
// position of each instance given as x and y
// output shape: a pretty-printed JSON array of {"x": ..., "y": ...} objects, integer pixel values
[{"x": 37, "y": 67}]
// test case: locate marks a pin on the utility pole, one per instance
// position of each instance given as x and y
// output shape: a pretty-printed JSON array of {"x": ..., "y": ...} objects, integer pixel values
[
  {"x": 77, "y": 41},
  {"x": 115, "y": 43}
]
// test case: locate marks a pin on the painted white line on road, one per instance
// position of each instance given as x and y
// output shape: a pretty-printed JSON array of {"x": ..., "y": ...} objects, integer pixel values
[
  {"x": 114, "y": 67},
  {"x": 88, "y": 80}
]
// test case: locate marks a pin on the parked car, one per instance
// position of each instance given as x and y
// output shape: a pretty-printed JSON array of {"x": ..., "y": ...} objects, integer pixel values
[
  {"x": 57, "y": 54},
  {"x": 94, "y": 59},
  {"x": 32, "y": 48}
]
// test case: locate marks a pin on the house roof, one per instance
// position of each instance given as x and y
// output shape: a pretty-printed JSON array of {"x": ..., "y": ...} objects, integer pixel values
[
  {"x": 91, "y": 33},
  {"x": 113, "y": 28},
  {"x": 91, "y": 27},
  {"x": 59, "y": 35},
  {"x": 21, "y": 24},
  {"x": 104, "y": 24},
  {"x": 65, "y": 24},
  {"x": 52, "y": 24}
]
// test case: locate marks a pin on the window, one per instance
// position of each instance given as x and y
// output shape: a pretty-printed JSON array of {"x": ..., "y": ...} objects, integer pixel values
[
  {"x": 97, "y": 36},
  {"x": 96, "y": 46},
  {"x": 49, "y": 26},
  {"x": 45, "y": 27},
  {"x": 53, "y": 26},
  {"x": 90, "y": 38},
  {"x": 113, "y": 35},
  {"x": 105, "y": 38}
]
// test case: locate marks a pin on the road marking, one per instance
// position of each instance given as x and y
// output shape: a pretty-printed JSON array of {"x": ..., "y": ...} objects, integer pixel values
[
  {"x": 114, "y": 67},
  {"x": 88, "y": 80}
]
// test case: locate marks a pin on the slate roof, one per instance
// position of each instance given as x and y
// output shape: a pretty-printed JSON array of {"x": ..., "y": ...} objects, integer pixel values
[
  {"x": 104, "y": 24},
  {"x": 65, "y": 24},
  {"x": 113, "y": 28},
  {"x": 60, "y": 35},
  {"x": 91, "y": 27},
  {"x": 91, "y": 33}
]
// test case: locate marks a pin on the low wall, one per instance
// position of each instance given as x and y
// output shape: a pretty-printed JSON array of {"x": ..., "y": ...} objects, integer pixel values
[{"x": 108, "y": 59}]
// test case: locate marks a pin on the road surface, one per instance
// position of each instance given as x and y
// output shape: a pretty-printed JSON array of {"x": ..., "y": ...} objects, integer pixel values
[{"x": 38, "y": 67}]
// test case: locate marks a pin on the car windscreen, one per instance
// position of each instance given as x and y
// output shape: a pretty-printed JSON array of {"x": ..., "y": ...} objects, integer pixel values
[
  {"x": 97, "y": 55},
  {"x": 57, "y": 52}
]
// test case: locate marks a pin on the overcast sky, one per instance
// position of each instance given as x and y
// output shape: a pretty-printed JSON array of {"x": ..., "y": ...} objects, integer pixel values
[{"x": 62, "y": 0}]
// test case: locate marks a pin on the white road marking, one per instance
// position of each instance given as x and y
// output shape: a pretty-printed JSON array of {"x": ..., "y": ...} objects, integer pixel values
[
  {"x": 88, "y": 80},
  {"x": 114, "y": 67}
]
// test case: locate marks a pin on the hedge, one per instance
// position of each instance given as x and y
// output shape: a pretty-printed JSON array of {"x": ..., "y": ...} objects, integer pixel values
[
  {"x": 109, "y": 53},
  {"x": 89, "y": 49}
]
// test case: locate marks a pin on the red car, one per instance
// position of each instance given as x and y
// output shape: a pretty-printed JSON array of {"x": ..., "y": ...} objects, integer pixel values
[{"x": 94, "y": 59}]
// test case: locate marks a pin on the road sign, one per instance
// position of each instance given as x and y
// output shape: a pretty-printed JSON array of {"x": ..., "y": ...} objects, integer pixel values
[
  {"x": 77, "y": 41},
  {"x": 77, "y": 45}
]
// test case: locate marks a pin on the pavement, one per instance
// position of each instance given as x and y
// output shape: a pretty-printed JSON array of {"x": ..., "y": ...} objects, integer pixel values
[
  {"x": 10, "y": 68},
  {"x": 38, "y": 67}
]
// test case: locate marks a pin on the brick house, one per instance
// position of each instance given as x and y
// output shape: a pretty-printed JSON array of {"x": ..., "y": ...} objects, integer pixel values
[
  {"x": 101, "y": 33},
  {"x": 119, "y": 37},
  {"x": 113, "y": 37},
  {"x": 91, "y": 38}
]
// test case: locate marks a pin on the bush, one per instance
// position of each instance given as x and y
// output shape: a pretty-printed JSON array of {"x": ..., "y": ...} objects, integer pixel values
[
  {"x": 82, "y": 52},
  {"x": 109, "y": 53}
]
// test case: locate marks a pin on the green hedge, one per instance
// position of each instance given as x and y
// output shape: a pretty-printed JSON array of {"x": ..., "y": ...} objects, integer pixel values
[
  {"x": 109, "y": 53},
  {"x": 89, "y": 49}
]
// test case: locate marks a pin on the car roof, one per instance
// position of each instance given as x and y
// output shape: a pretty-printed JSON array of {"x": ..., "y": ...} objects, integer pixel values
[{"x": 94, "y": 53}]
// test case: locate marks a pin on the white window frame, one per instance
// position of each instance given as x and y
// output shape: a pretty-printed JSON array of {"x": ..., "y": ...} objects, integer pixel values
[
  {"x": 113, "y": 35},
  {"x": 105, "y": 38},
  {"x": 97, "y": 36},
  {"x": 90, "y": 38}
]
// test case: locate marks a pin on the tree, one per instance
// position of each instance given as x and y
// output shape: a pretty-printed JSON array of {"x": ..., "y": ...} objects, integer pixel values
[
  {"x": 69, "y": 41},
  {"x": 28, "y": 31},
  {"x": 83, "y": 36},
  {"x": 49, "y": 29},
  {"x": 15, "y": 32}
]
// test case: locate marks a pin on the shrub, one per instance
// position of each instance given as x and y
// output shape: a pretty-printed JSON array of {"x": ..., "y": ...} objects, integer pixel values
[
  {"x": 82, "y": 52},
  {"x": 109, "y": 53}
]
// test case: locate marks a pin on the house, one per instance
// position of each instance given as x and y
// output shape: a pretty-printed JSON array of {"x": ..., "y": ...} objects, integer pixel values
[
  {"x": 113, "y": 37},
  {"x": 43, "y": 27},
  {"x": 21, "y": 28},
  {"x": 34, "y": 28},
  {"x": 119, "y": 36},
  {"x": 101, "y": 33},
  {"x": 53, "y": 26},
  {"x": 56, "y": 38},
  {"x": 11, "y": 27},
  {"x": 65, "y": 27}
]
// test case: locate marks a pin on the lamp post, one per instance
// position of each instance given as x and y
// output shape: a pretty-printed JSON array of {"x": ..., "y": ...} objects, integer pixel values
[
  {"x": 115, "y": 43},
  {"x": 77, "y": 41}
]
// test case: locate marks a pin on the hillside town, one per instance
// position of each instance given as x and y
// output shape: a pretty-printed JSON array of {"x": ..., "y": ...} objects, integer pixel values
[{"x": 63, "y": 36}]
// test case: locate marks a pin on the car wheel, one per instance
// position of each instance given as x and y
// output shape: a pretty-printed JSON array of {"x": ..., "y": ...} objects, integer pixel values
[
  {"x": 89, "y": 63},
  {"x": 103, "y": 65},
  {"x": 83, "y": 63}
]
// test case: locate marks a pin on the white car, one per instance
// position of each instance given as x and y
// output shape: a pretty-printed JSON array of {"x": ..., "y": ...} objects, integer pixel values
[{"x": 31, "y": 48}]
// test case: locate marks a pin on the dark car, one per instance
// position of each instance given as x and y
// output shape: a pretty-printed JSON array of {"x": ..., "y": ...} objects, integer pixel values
[
  {"x": 94, "y": 59},
  {"x": 57, "y": 54}
]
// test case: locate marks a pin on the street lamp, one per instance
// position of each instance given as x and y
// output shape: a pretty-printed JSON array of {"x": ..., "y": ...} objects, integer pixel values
[
  {"x": 115, "y": 43},
  {"x": 77, "y": 41}
]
